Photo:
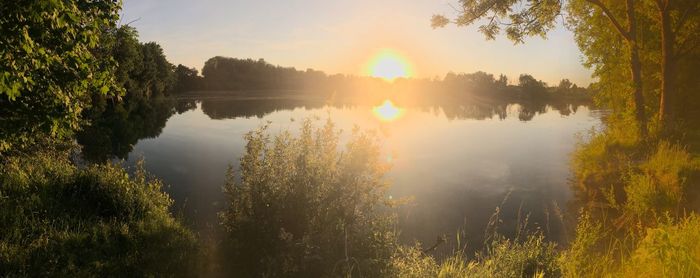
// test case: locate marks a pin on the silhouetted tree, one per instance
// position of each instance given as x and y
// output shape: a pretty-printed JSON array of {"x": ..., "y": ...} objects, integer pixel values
[
  {"x": 187, "y": 79},
  {"x": 565, "y": 87},
  {"x": 532, "y": 87}
]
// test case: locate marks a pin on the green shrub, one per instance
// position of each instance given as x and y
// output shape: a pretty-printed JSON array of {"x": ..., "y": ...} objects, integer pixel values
[
  {"x": 62, "y": 220},
  {"x": 303, "y": 208}
]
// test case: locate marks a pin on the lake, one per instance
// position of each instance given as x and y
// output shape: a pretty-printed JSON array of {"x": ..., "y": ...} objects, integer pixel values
[{"x": 458, "y": 161}]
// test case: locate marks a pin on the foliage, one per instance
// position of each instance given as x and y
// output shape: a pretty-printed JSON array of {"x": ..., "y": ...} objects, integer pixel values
[
  {"x": 632, "y": 192},
  {"x": 670, "y": 250},
  {"x": 61, "y": 220},
  {"x": 604, "y": 51},
  {"x": 479, "y": 83},
  {"x": 115, "y": 124},
  {"x": 587, "y": 255},
  {"x": 660, "y": 184},
  {"x": 644, "y": 47},
  {"x": 301, "y": 208},
  {"x": 621, "y": 177},
  {"x": 187, "y": 79},
  {"x": 531, "y": 86},
  {"x": 48, "y": 66},
  {"x": 223, "y": 73},
  {"x": 532, "y": 19},
  {"x": 143, "y": 70}
]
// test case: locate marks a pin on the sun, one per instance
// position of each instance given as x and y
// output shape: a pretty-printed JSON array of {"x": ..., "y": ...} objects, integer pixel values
[
  {"x": 389, "y": 65},
  {"x": 387, "y": 111}
]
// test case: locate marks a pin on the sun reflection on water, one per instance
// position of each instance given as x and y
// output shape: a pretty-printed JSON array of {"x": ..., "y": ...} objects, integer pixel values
[{"x": 387, "y": 111}]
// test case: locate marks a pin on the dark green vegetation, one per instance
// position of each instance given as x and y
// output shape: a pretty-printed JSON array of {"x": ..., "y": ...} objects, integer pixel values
[
  {"x": 63, "y": 64},
  {"x": 61, "y": 220},
  {"x": 118, "y": 121},
  {"x": 51, "y": 65}
]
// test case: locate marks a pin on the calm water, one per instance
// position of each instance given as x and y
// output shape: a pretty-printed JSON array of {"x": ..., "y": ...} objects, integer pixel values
[{"x": 458, "y": 162}]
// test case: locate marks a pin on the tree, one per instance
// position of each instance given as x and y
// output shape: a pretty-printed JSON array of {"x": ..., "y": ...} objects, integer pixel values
[
  {"x": 502, "y": 82},
  {"x": 531, "y": 86},
  {"x": 115, "y": 124},
  {"x": 679, "y": 29},
  {"x": 564, "y": 86},
  {"x": 156, "y": 76},
  {"x": 49, "y": 66},
  {"x": 535, "y": 18},
  {"x": 186, "y": 79}
]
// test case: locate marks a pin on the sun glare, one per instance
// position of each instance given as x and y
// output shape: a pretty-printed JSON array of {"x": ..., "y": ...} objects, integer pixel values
[
  {"x": 387, "y": 111},
  {"x": 388, "y": 65}
]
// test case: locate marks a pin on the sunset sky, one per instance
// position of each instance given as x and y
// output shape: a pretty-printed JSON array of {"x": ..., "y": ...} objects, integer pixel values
[{"x": 343, "y": 36}]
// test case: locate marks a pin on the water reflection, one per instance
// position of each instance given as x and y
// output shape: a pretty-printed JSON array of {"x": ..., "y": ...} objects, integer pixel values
[
  {"x": 387, "y": 111},
  {"x": 233, "y": 108},
  {"x": 115, "y": 129},
  {"x": 459, "y": 159}
]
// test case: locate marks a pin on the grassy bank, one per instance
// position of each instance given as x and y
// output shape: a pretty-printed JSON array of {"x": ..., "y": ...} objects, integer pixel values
[{"x": 62, "y": 220}]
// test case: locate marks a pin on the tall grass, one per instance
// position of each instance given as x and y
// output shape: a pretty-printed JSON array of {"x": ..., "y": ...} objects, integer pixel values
[{"x": 528, "y": 254}]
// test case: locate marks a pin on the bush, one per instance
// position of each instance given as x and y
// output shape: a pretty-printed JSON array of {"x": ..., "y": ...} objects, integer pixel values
[
  {"x": 302, "y": 208},
  {"x": 62, "y": 220}
]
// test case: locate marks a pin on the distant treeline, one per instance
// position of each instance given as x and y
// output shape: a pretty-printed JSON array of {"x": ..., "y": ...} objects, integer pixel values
[{"x": 236, "y": 75}]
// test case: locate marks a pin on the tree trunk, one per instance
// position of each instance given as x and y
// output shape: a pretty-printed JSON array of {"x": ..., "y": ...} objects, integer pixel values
[
  {"x": 630, "y": 36},
  {"x": 636, "y": 70},
  {"x": 666, "y": 102}
]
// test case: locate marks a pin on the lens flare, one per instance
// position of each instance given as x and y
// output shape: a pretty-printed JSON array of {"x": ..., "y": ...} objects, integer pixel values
[
  {"x": 387, "y": 111},
  {"x": 388, "y": 65}
]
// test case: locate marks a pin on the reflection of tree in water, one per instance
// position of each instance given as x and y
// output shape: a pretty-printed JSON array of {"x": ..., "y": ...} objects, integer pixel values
[
  {"x": 115, "y": 131},
  {"x": 229, "y": 109},
  {"x": 184, "y": 105},
  {"x": 118, "y": 127},
  {"x": 525, "y": 110},
  {"x": 453, "y": 110}
]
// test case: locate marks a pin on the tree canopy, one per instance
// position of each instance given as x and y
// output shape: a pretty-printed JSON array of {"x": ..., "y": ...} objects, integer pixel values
[{"x": 50, "y": 66}]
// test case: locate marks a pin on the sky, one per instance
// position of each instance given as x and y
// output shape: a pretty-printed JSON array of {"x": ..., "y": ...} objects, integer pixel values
[{"x": 342, "y": 36}]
